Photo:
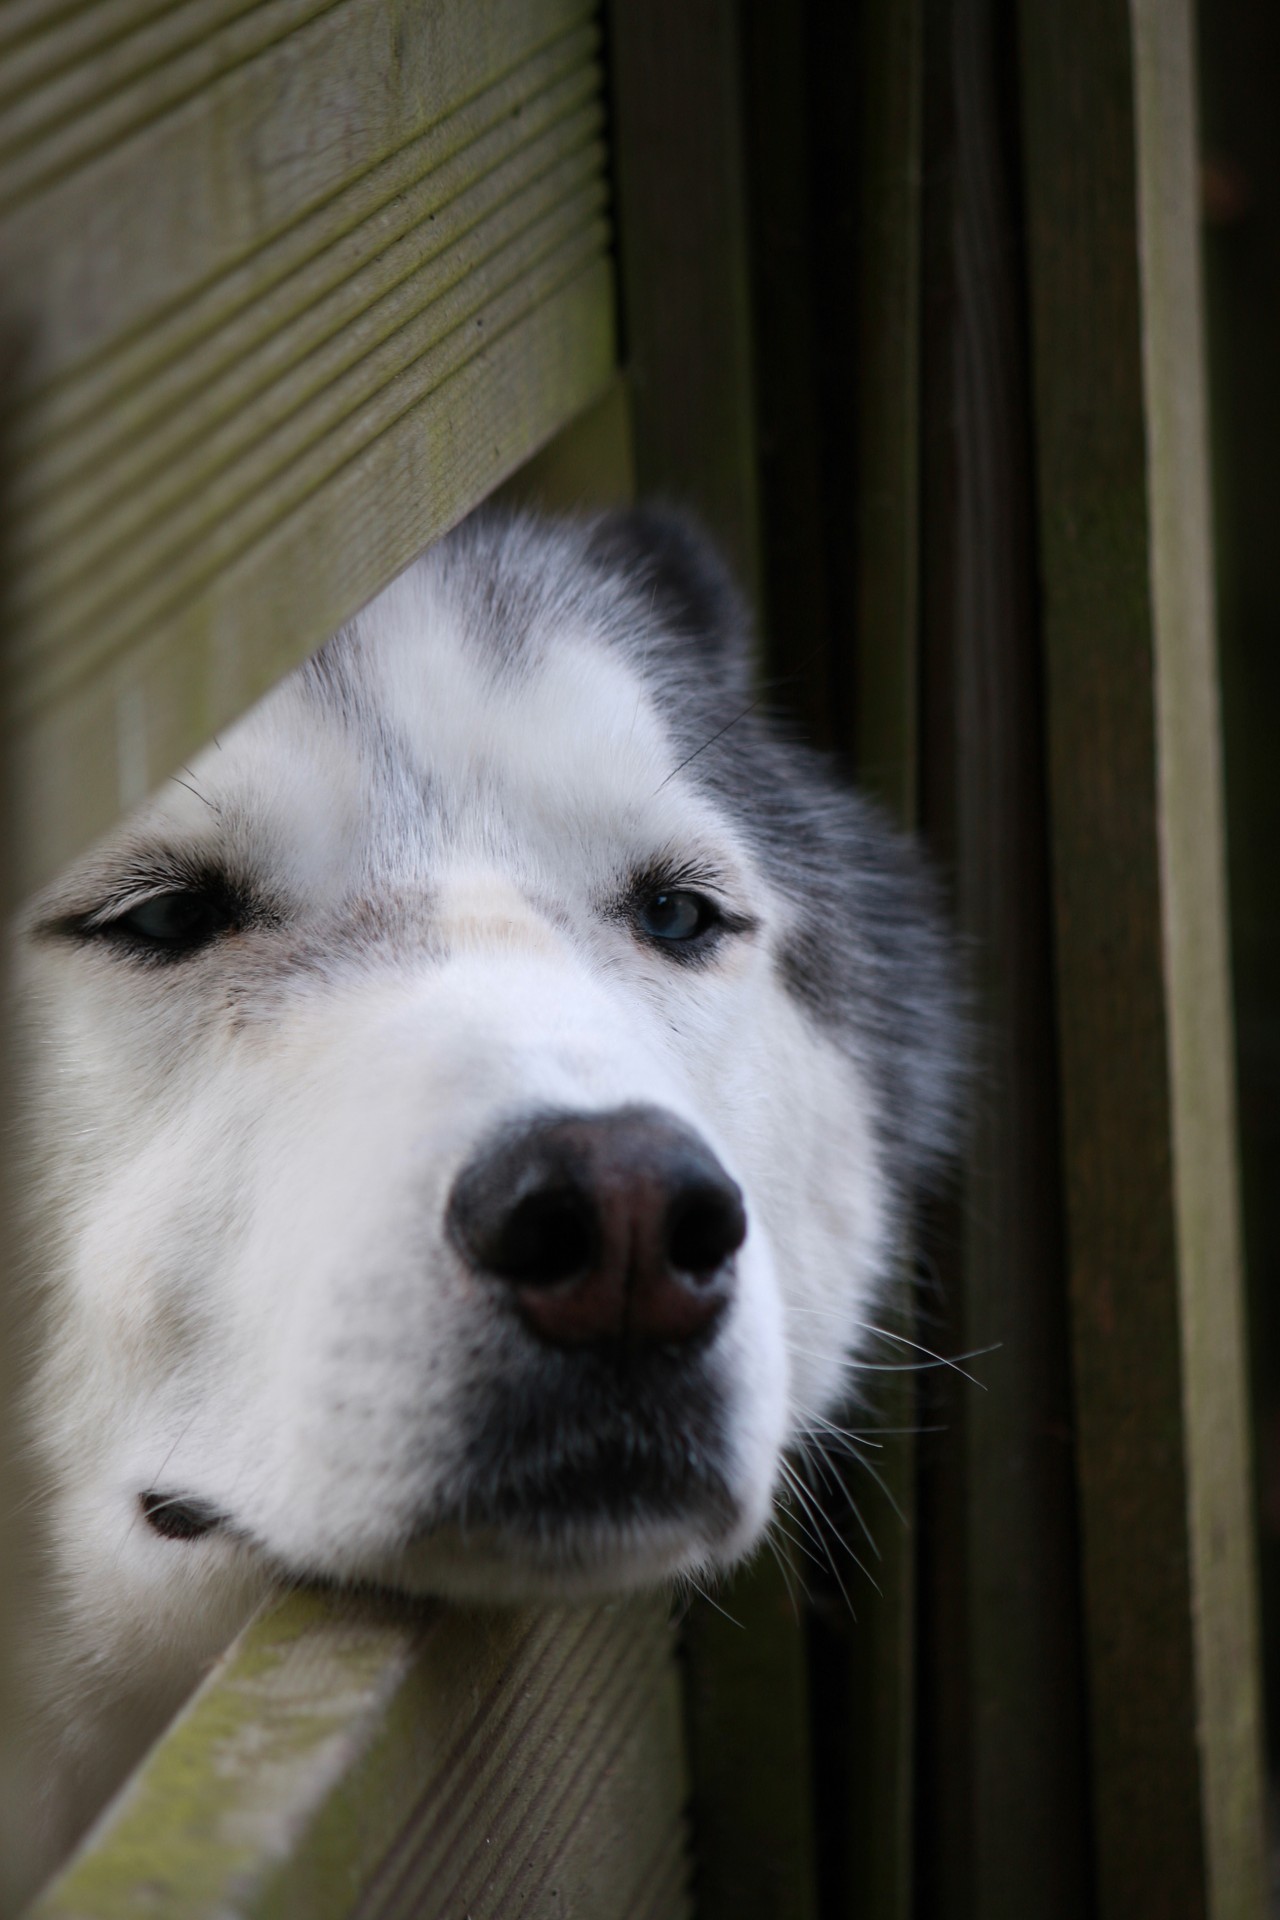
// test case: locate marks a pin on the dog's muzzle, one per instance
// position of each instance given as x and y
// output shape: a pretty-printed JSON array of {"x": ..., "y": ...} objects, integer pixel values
[{"x": 611, "y": 1230}]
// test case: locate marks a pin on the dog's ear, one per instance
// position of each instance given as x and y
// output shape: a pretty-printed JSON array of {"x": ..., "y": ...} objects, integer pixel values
[{"x": 681, "y": 582}]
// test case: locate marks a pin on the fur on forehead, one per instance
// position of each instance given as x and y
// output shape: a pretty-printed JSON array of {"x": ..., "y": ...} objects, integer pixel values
[
  {"x": 535, "y": 647},
  {"x": 643, "y": 580}
]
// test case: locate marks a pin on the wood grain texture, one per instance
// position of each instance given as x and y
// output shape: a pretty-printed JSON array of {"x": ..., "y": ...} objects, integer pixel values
[
  {"x": 882, "y": 723},
  {"x": 359, "y": 1758},
  {"x": 324, "y": 274},
  {"x": 1006, "y": 1789},
  {"x": 1193, "y": 872},
  {"x": 1143, "y": 1032}
]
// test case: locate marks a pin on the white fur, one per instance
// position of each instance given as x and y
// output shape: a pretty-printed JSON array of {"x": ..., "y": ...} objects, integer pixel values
[{"x": 244, "y": 1159}]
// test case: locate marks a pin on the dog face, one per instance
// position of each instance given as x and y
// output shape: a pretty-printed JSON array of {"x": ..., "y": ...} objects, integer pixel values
[{"x": 475, "y": 1106}]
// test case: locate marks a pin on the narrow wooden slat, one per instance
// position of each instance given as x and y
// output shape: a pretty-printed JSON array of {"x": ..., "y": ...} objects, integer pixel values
[
  {"x": 350, "y": 1757},
  {"x": 882, "y": 720},
  {"x": 1197, "y": 967},
  {"x": 87, "y": 106},
  {"x": 1006, "y": 1803},
  {"x": 1144, "y": 1023},
  {"x": 283, "y": 331},
  {"x": 885, "y": 716}
]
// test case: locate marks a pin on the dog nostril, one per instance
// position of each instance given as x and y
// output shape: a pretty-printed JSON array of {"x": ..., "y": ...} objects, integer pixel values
[
  {"x": 614, "y": 1229},
  {"x": 706, "y": 1225},
  {"x": 549, "y": 1236}
]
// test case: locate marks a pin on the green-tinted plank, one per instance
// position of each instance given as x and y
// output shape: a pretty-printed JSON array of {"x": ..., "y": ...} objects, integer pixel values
[
  {"x": 1202, "y": 1091},
  {"x": 1143, "y": 1017},
  {"x": 354, "y": 1757},
  {"x": 164, "y": 411},
  {"x": 320, "y": 279},
  {"x": 1239, "y": 44},
  {"x": 884, "y": 724}
]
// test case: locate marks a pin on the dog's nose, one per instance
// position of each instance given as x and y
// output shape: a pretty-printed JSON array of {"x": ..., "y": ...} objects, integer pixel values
[{"x": 612, "y": 1229}]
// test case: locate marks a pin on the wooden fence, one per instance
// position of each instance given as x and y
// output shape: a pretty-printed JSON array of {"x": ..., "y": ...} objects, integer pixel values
[{"x": 905, "y": 299}]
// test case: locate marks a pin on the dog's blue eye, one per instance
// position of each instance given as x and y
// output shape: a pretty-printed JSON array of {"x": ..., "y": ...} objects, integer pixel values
[
  {"x": 174, "y": 922},
  {"x": 679, "y": 915}
]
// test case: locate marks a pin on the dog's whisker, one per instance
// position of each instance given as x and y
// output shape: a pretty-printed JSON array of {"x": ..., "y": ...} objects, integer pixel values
[
  {"x": 901, "y": 1340},
  {"x": 825, "y": 1534}
]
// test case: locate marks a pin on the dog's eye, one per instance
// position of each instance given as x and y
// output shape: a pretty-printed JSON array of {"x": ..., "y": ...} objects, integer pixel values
[
  {"x": 678, "y": 915},
  {"x": 172, "y": 923}
]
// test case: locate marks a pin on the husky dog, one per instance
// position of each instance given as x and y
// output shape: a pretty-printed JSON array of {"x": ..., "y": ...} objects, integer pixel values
[{"x": 476, "y": 1107}]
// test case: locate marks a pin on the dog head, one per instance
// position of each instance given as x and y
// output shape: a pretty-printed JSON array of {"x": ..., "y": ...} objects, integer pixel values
[{"x": 475, "y": 1104}]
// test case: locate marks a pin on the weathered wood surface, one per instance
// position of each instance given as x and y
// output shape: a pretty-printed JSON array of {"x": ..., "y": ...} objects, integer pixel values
[
  {"x": 353, "y": 1757},
  {"x": 1144, "y": 1024},
  {"x": 1197, "y": 968},
  {"x": 1005, "y": 1787},
  {"x": 293, "y": 285},
  {"x": 880, "y": 720}
]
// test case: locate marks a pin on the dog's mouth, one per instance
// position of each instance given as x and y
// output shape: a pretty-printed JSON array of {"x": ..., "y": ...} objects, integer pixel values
[
  {"x": 600, "y": 1447},
  {"x": 629, "y": 1478},
  {"x": 544, "y": 1482}
]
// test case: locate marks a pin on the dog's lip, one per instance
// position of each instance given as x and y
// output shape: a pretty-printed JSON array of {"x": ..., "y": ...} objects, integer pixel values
[
  {"x": 606, "y": 1491},
  {"x": 182, "y": 1516}
]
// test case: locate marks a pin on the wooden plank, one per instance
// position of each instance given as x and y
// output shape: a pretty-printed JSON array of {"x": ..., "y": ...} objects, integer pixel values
[
  {"x": 885, "y": 717},
  {"x": 884, "y": 725},
  {"x": 1193, "y": 875},
  {"x": 1109, "y": 136},
  {"x": 1239, "y": 49},
  {"x": 1005, "y": 1798},
  {"x": 332, "y": 274},
  {"x": 89, "y": 593},
  {"x": 682, "y": 241},
  {"x": 792, "y": 240},
  {"x": 747, "y": 1714},
  {"x": 359, "y": 1757},
  {"x": 17, "y": 1503}
]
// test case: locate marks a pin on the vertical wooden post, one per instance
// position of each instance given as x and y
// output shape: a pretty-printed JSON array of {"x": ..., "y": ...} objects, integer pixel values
[
  {"x": 883, "y": 729},
  {"x": 1004, "y": 1737},
  {"x": 1109, "y": 130}
]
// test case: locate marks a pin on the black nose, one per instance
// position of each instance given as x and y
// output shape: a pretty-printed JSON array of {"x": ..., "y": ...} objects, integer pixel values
[{"x": 612, "y": 1228}]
